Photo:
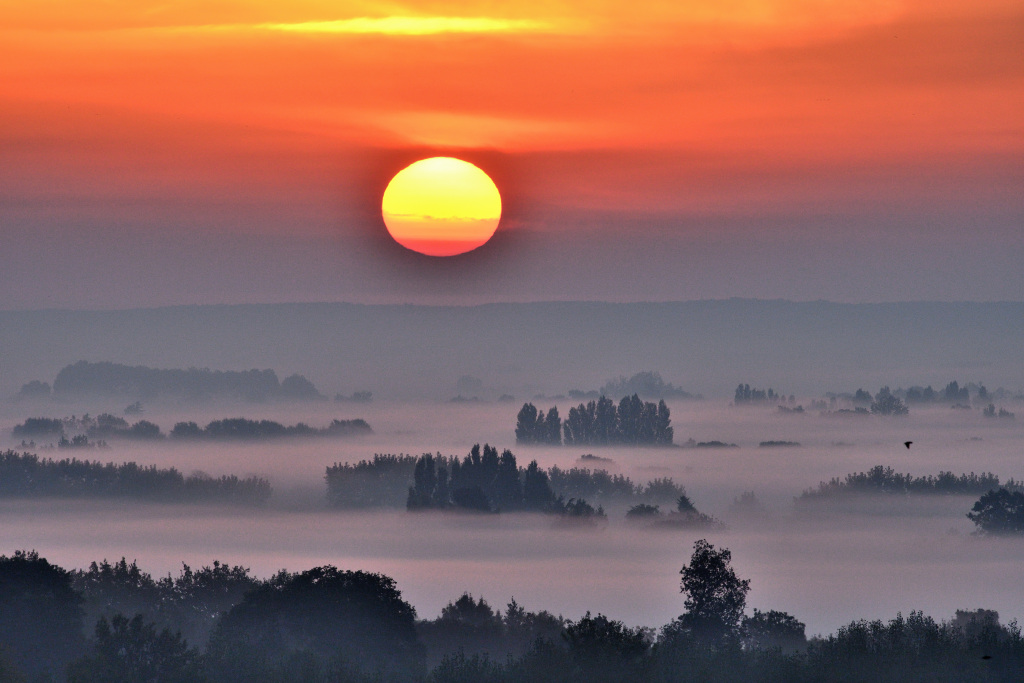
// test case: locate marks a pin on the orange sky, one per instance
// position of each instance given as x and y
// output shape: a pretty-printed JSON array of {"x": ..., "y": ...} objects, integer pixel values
[{"x": 663, "y": 107}]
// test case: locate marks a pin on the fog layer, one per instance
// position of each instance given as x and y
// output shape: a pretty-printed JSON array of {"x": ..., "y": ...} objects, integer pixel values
[{"x": 864, "y": 557}]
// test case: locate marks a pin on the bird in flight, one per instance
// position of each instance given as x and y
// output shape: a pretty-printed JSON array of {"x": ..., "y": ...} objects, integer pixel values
[{"x": 907, "y": 444}]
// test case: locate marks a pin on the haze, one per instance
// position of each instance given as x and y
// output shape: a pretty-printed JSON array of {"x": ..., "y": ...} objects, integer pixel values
[
  {"x": 818, "y": 199},
  {"x": 870, "y": 558}
]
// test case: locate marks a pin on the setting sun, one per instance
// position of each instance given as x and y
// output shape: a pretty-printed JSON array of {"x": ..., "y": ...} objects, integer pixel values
[{"x": 441, "y": 207}]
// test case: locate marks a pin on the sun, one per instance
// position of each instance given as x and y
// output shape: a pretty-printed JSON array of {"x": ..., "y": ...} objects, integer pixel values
[{"x": 441, "y": 206}]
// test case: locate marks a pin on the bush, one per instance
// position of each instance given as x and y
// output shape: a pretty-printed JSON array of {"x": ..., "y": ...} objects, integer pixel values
[{"x": 999, "y": 512}]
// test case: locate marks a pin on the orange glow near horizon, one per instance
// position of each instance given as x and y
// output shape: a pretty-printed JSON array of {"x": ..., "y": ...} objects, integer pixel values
[
  {"x": 158, "y": 98},
  {"x": 441, "y": 206}
]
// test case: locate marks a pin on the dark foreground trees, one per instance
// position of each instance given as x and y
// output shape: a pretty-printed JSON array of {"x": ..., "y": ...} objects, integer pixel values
[
  {"x": 324, "y": 619},
  {"x": 41, "y": 627},
  {"x": 131, "y": 650},
  {"x": 328, "y": 625}
]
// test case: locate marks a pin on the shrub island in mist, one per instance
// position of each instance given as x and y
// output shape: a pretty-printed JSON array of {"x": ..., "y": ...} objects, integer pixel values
[
  {"x": 114, "y": 622},
  {"x": 486, "y": 481},
  {"x": 25, "y": 475}
]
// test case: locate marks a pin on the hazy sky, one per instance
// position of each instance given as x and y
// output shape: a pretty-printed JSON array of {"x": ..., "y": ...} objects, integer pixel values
[{"x": 210, "y": 152}]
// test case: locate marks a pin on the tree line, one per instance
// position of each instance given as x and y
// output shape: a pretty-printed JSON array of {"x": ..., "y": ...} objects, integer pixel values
[
  {"x": 885, "y": 480},
  {"x": 107, "y": 426},
  {"x": 28, "y": 475},
  {"x": 598, "y": 423},
  {"x": 998, "y": 512},
  {"x": 239, "y": 428},
  {"x": 115, "y": 623}
]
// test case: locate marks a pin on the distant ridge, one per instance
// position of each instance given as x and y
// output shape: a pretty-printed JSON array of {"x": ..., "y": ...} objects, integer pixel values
[{"x": 408, "y": 351}]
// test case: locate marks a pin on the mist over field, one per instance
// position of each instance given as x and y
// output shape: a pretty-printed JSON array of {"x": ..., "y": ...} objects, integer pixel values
[{"x": 861, "y": 556}]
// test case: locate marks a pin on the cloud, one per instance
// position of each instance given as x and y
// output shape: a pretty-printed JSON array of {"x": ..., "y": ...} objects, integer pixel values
[{"x": 416, "y": 26}]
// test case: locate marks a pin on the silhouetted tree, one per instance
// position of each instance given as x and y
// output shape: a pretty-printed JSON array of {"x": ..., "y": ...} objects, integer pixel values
[
  {"x": 605, "y": 421},
  {"x": 552, "y": 432},
  {"x": 715, "y": 598},
  {"x": 629, "y": 415},
  {"x": 328, "y": 614},
  {"x": 40, "y": 614},
  {"x": 526, "y": 424},
  {"x": 421, "y": 493},
  {"x": 298, "y": 387},
  {"x": 632, "y": 422},
  {"x": 999, "y": 512},
  {"x": 508, "y": 491},
  {"x": 955, "y": 394},
  {"x": 603, "y": 649},
  {"x": 861, "y": 396},
  {"x": 663, "y": 432},
  {"x": 773, "y": 629},
  {"x": 537, "y": 493},
  {"x": 186, "y": 430},
  {"x": 467, "y": 625},
  {"x": 130, "y": 651},
  {"x": 887, "y": 403}
]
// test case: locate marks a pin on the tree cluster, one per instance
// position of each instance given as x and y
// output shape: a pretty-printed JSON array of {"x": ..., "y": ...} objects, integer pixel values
[
  {"x": 103, "y": 426},
  {"x": 990, "y": 411},
  {"x": 744, "y": 395},
  {"x": 28, "y": 475},
  {"x": 385, "y": 481},
  {"x": 598, "y": 423},
  {"x": 482, "y": 481},
  {"x": 633, "y": 422},
  {"x": 538, "y": 427},
  {"x": 685, "y": 515},
  {"x": 887, "y": 403}
]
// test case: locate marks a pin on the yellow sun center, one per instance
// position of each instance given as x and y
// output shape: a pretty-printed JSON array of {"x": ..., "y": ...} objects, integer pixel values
[{"x": 441, "y": 207}]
